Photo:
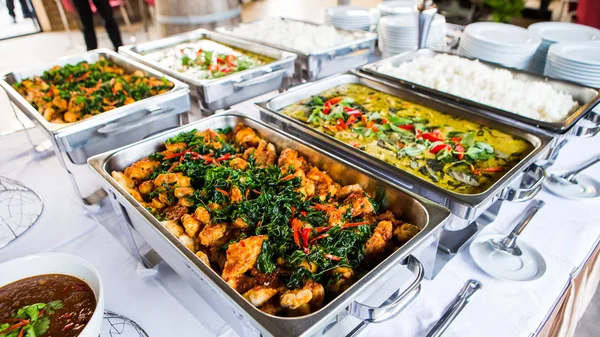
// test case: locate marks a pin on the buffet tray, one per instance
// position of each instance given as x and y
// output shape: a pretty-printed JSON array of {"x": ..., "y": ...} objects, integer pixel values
[
  {"x": 111, "y": 129},
  {"x": 464, "y": 206},
  {"x": 239, "y": 313},
  {"x": 316, "y": 65},
  {"x": 586, "y": 97},
  {"x": 223, "y": 92}
]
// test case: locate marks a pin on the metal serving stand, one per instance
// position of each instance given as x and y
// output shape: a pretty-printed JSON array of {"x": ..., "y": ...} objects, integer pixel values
[
  {"x": 222, "y": 93},
  {"x": 75, "y": 142},
  {"x": 316, "y": 65},
  {"x": 345, "y": 314}
]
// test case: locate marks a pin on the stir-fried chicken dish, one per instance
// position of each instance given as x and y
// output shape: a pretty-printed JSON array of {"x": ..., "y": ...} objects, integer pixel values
[
  {"x": 277, "y": 229},
  {"x": 75, "y": 92}
]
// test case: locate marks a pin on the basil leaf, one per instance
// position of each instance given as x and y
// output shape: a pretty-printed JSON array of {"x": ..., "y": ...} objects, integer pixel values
[
  {"x": 374, "y": 116},
  {"x": 412, "y": 150},
  {"x": 468, "y": 140},
  {"x": 317, "y": 101},
  {"x": 399, "y": 120}
]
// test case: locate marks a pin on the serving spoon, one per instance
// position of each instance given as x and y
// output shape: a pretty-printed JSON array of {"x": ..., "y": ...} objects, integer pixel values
[{"x": 568, "y": 186}]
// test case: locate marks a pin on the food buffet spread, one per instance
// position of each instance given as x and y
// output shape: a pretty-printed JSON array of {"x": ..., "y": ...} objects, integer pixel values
[{"x": 289, "y": 225}]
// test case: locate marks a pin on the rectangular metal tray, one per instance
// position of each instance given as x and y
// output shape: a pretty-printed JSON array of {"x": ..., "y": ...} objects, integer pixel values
[
  {"x": 313, "y": 66},
  {"x": 245, "y": 318},
  {"x": 465, "y": 206},
  {"x": 111, "y": 129},
  {"x": 586, "y": 97},
  {"x": 220, "y": 93}
]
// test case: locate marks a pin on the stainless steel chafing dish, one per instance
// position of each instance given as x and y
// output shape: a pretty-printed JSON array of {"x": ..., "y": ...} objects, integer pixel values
[
  {"x": 244, "y": 318},
  {"x": 313, "y": 66},
  {"x": 223, "y": 92},
  {"x": 582, "y": 122},
  {"x": 465, "y": 207},
  {"x": 78, "y": 141}
]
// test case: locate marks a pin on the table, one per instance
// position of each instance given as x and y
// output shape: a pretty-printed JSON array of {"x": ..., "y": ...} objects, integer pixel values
[{"x": 566, "y": 232}]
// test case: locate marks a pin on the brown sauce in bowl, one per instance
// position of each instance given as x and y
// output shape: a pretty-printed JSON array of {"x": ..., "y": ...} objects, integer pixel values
[{"x": 65, "y": 302}]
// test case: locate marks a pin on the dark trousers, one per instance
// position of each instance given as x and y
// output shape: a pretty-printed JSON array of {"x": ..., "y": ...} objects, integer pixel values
[
  {"x": 87, "y": 20},
  {"x": 10, "y": 5}
]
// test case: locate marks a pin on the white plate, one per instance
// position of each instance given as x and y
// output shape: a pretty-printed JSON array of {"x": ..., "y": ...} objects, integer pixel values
[
  {"x": 564, "y": 31},
  {"x": 584, "y": 53},
  {"x": 528, "y": 50},
  {"x": 527, "y": 267},
  {"x": 570, "y": 68},
  {"x": 397, "y": 7},
  {"x": 502, "y": 34}
]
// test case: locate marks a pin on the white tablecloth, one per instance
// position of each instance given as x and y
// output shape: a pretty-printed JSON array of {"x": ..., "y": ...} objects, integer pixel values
[{"x": 565, "y": 232}]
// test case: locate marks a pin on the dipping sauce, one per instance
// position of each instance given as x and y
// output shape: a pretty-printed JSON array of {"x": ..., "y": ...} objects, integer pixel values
[{"x": 52, "y": 305}]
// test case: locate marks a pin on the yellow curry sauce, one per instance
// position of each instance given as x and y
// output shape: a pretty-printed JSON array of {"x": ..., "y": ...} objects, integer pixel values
[{"x": 454, "y": 153}]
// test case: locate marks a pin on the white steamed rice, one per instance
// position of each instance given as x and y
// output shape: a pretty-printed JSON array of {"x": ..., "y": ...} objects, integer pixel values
[{"x": 496, "y": 87}]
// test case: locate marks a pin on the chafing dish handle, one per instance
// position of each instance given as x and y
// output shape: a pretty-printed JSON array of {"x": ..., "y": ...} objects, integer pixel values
[
  {"x": 527, "y": 193},
  {"x": 388, "y": 311},
  {"x": 156, "y": 113},
  {"x": 586, "y": 131},
  {"x": 351, "y": 54},
  {"x": 257, "y": 80}
]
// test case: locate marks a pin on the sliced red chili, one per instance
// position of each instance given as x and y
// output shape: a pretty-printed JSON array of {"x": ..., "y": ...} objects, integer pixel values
[
  {"x": 297, "y": 238},
  {"x": 222, "y": 191},
  {"x": 322, "y": 207},
  {"x": 439, "y": 148},
  {"x": 303, "y": 213},
  {"x": 341, "y": 124},
  {"x": 288, "y": 177},
  {"x": 494, "y": 169},
  {"x": 460, "y": 151},
  {"x": 224, "y": 157},
  {"x": 220, "y": 60},
  {"x": 351, "y": 120},
  {"x": 322, "y": 229},
  {"x": 334, "y": 100},
  {"x": 354, "y": 224},
  {"x": 408, "y": 127},
  {"x": 432, "y": 137},
  {"x": 456, "y": 139},
  {"x": 226, "y": 70},
  {"x": 331, "y": 257},
  {"x": 322, "y": 236},
  {"x": 199, "y": 52}
]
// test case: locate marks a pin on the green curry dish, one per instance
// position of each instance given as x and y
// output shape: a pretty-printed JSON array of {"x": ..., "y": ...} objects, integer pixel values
[{"x": 451, "y": 152}]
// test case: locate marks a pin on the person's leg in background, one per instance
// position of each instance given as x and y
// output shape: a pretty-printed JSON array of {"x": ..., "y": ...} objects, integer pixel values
[
  {"x": 112, "y": 28},
  {"x": 25, "y": 8},
  {"x": 10, "y": 5},
  {"x": 87, "y": 21}
]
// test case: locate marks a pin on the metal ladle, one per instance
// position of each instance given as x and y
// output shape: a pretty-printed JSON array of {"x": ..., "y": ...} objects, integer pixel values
[
  {"x": 568, "y": 186},
  {"x": 509, "y": 243}
]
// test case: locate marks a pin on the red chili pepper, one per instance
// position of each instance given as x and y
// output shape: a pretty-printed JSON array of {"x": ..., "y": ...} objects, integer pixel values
[
  {"x": 437, "y": 133},
  {"x": 326, "y": 109},
  {"x": 224, "y": 157},
  {"x": 222, "y": 191},
  {"x": 351, "y": 120},
  {"x": 460, "y": 151},
  {"x": 400, "y": 144},
  {"x": 322, "y": 236},
  {"x": 229, "y": 59},
  {"x": 334, "y": 101},
  {"x": 83, "y": 77},
  {"x": 259, "y": 223},
  {"x": 418, "y": 133},
  {"x": 371, "y": 125},
  {"x": 220, "y": 60},
  {"x": 297, "y": 238},
  {"x": 456, "y": 139},
  {"x": 288, "y": 177},
  {"x": 303, "y": 213},
  {"x": 213, "y": 67},
  {"x": 432, "y": 137},
  {"x": 246, "y": 194},
  {"x": 182, "y": 153},
  {"x": 439, "y": 148},
  {"x": 173, "y": 166},
  {"x": 352, "y": 112},
  {"x": 306, "y": 250},
  {"x": 15, "y": 326},
  {"x": 494, "y": 169},
  {"x": 68, "y": 326},
  {"x": 341, "y": 124},
  {"x": 322, "y": 229},
  {"x": 354, "y": 224},
  {"x": 226, "y": 70},
  {"x": 408, "y": 127},
  {"x": 305, "y": 233},
  {"x": 331, "y": 257},
  {"x": 199, "y": 52},
  {"x": 257, "y": 192},
  {"x": 384, "y": 121},
  {"x": 21, "y": 333}
]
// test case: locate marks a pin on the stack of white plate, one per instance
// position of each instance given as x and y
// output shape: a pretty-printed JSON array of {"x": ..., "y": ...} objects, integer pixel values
[
  {"x": 576, "y": 61},
  {"x": 352, "y": 17},
  {"x": 508, "y": 45},
  {"x": 553, "y": 32},
  {"x": 399, "y": 33},
  {"x": 397, "y": 7}
]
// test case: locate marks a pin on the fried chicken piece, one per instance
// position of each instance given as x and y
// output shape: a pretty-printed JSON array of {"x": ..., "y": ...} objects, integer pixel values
[
  {"x": 360, "y": 204},
  {"x": 242, "y": 256},
  {"x": 190, "y": 243},
  {"x": 173, "y": 227},
  {"x": 310, "y": 266},
  {"x": 211, "y": 234},
  {"x": 241, "y": 283},
  {"x": 203, "y": 257},
  {"x": 344, "y": 279},
  {"x": 323, "y": 183},
  {"x": 376, "y": 243},
  {"x": 238, "y": 164},
  {"x": 141, "y": 169},
  {"x": 156, "y": 203},
  {"x": 290, "y": 161},
  {"x": 172, "y": 179},
  {"x": 175, "y": 212},
  {"x": 235, "y": 195},
  {"x": 202, "y": 214},
  {"x": 240, "y": 224},
  {"x": 264, "y": 154},
  {"x": 123, "y": 180},
  {"x": 181, "y": 192},
  {"x": 191, "y": 225},
  {"x": 406, "y": 232},
  {"x": 271, "y": 308},
  {"x": 146, "y": 187},
  {"x": 345, "y": 191},
  {"x": 311, "y": 294},
  {"x": 245, "y": 136},
  {"x": 176, "y": 147},
  {"x": 259, "y": 295},
  {"x": 307, "y": 186},
  {"x": 185, "y": 202}
]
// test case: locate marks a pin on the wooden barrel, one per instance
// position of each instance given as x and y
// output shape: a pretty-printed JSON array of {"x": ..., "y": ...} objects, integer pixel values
[{"x": 178, "y": 16}]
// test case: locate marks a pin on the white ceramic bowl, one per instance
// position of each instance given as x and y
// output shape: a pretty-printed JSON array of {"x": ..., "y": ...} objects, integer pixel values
[{"x": 59, "y": 263}]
